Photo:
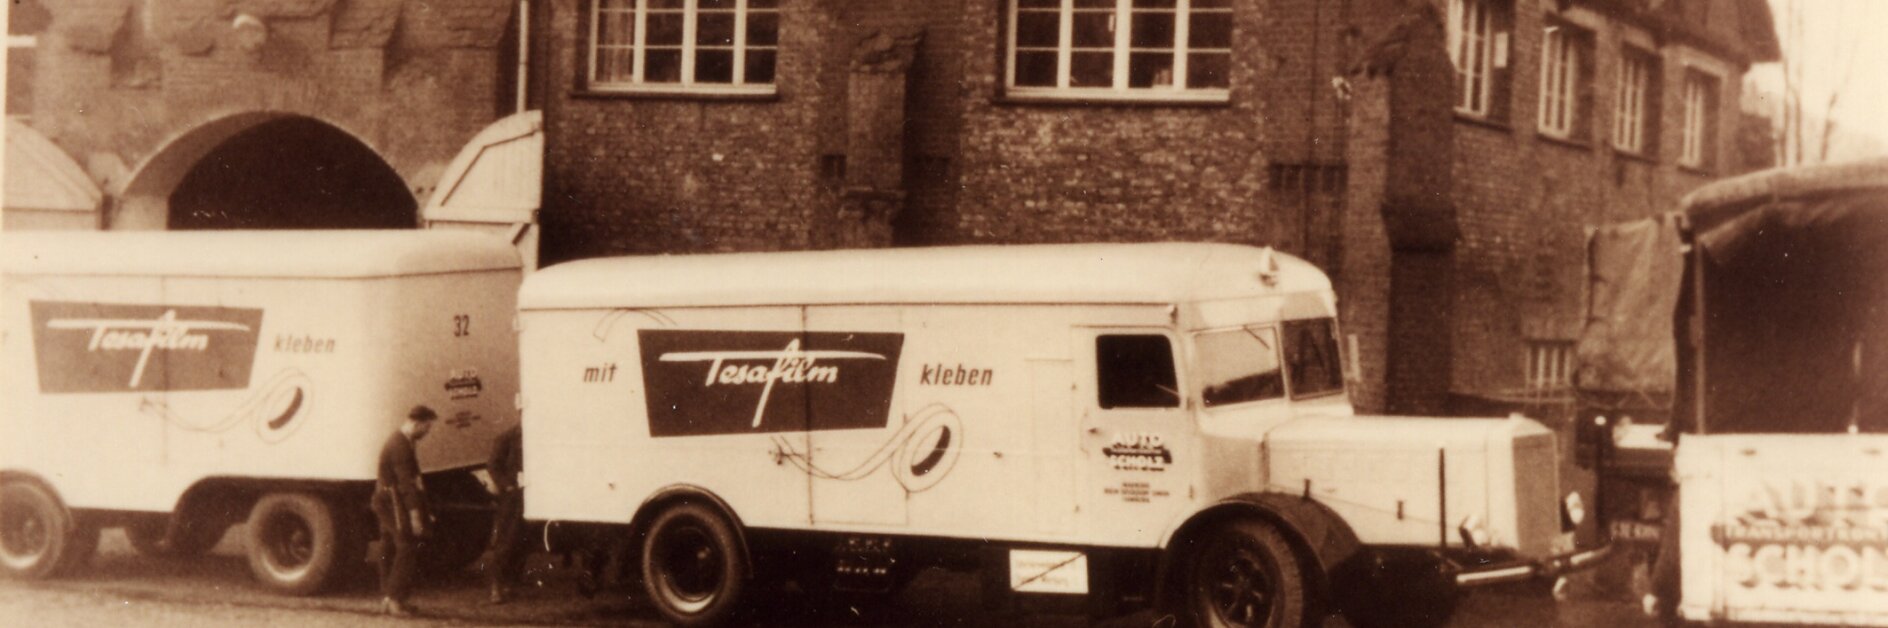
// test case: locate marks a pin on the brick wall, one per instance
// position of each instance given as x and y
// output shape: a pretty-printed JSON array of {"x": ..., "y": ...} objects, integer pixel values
[
  {"x": 1525, "y": 200},
  {"x": 120, "y": 78}
]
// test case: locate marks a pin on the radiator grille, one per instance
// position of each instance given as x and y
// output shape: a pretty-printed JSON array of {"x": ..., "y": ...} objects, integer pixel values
[{"x": 1537, "y": 494}]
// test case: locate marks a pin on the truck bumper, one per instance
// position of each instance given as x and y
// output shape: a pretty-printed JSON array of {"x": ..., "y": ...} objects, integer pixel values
[{"x": 1512, "y": 571}]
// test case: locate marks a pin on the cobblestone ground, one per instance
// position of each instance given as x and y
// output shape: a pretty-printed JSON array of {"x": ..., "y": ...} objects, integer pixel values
[{"x": 122, "y": 588}]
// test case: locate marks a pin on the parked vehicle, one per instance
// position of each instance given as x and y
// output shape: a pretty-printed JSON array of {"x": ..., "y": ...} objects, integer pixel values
[
  {"x": 1781, "y": 399},
  {"x": 1162, "y": 424},
  {"x": 175, "y": 384}
]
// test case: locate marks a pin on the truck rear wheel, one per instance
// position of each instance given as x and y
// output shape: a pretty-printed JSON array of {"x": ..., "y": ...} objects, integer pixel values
[
  {"x": 296, "y": 543},
  {"x": 693, "y": 566},
  {"x": 1245, "y": 575},
  {"x": 39, "y": 538}
]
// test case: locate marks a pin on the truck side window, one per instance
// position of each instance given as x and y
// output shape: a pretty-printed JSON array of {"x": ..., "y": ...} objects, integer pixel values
[
  {"x": 1311, "y": 358},
  {"x": 1135, "y": 371}
]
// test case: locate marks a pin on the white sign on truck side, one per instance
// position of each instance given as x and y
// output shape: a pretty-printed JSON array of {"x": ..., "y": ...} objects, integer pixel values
[
  {"x": 1164, "y": 423},
  {"x": 1785, "y": 528},
  {"x": 173, "y": 383}
]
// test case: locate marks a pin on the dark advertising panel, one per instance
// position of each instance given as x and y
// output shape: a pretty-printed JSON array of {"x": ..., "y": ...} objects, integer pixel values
[
  {"x": 102, "y": 347},
  {"x": 747, "y": 382}
]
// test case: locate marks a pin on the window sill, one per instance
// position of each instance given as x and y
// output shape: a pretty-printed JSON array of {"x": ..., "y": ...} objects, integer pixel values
[
  {"x": 1563, "y": 142},
  {"x": 1484, "y": 122},
  {"x": 1641, "y": 157},
  {"x": 720, "y": 95},
  {"x": 1151, "y": 99},
  {"x": 1697, "y": 170}
]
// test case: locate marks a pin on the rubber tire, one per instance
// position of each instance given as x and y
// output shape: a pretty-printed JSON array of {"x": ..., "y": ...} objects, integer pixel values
[
  {"x": 64, "y": 543},
  {"x": 159, "y": 538},
  {"x": 731, "y": 564},
  {"x": 305, "y": 562},
  {"x": 1266, "y": 549}
]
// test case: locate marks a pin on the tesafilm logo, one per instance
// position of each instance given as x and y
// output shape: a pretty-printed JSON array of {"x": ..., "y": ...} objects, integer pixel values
[
  {"x": 103, "y": 347},
  {"x": 734, "y": 382}
]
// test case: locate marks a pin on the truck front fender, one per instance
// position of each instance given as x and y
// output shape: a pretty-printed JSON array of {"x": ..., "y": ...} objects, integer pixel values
[{"x": 1325, "y": 544}]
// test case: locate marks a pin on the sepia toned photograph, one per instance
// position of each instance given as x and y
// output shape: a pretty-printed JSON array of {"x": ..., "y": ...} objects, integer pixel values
[{"x": 944, "y": 313}]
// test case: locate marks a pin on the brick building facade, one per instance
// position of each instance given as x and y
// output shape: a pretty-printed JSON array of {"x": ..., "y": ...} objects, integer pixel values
[
  {"x": 283, "y": 113},
  {"x": 1337, "y": 131},
  {"x": 1440, "y": 158}
]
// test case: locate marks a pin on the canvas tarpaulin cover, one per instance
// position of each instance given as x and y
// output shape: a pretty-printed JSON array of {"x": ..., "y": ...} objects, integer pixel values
[
  {"x": 1633, "y": 275},
  {"x": 1796, "y": 314}
]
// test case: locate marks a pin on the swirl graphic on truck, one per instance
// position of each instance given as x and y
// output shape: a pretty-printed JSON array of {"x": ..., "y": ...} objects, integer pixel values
[{"x": 920, "y": 454}]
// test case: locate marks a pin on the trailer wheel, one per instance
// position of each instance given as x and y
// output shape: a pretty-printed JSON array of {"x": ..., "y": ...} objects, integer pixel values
[
  {"x": 1245, "y": 575},
  {"x": 39, "y": 538},
  {"x": 693, "y": 566},
  {"x": 296, "y": 543},
  {"x": 159, "y": 538}
]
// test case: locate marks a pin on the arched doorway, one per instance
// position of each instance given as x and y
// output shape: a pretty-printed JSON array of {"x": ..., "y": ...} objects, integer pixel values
[{"x": 265, "y": 170}]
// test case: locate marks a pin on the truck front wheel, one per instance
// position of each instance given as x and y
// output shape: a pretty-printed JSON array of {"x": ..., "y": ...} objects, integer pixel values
[
  {"x": 1244, "y": 574},
  {"x": 693, "y": 566},
  {"x": 39, "y": 538},
  {"x": 296, "y": 543}
]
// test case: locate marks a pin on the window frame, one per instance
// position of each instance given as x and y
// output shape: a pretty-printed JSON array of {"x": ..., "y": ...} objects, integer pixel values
[
  {"x": 1278, "y": 356},
  {"x": 1475, "y": 84},
  {"x": 1550, "y": 365},
  {"x": 1562, "y": 81},
  {"x": 689, "y": 50},
  {"x": 1291, "y": 372},
  {"x": 1635, "y": 105},
  {"x": 1122, "y": 51},
  {"x": 1698, "y": 103},
  {"x": 1101, "y": 397}
]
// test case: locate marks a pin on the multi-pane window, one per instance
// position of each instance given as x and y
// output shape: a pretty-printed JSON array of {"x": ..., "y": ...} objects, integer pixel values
[
  {"x": 1549, "y": 365},
  {"x": 1472, "y": 49},
  {"x": 1700, "y": 106},
  {"x": 1560, "y": 81},
  {"x": 26, "y": 20},
  {"x": 1630, "y": 96},
  {"x": 1170, "y": 49},
  {"x": 698, "y": 45}
]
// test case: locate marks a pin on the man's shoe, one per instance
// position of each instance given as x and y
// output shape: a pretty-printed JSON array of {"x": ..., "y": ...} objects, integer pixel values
[{"x": 394, "y": 608}]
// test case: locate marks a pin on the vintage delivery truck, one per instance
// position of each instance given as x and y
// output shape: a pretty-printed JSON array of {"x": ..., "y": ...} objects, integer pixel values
[
  {"x": 1779, "y": 372},
  {"x": 1160, "y": 423},
  {"x": 175, "y": 384}
]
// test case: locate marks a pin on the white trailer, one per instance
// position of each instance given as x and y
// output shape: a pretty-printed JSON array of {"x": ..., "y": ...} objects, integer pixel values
[
  {"x": 1159, "y": 423},
  {"x": 178, "y": 383}
]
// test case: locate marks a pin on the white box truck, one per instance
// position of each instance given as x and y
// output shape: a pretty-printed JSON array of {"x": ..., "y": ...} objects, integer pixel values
[
  {"x": 1160, "y": 423},
  {"x": 1778, "y": 367},
  {"x": 178, "y": 383}
]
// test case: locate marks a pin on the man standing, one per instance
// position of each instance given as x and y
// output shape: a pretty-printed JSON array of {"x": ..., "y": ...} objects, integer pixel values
[
  {"x": 400, "y": 506},
  {"x": 506, "y": 463}
]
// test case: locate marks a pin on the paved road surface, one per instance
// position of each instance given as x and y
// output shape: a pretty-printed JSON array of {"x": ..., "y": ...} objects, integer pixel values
[{"x": 123, "y": 589}]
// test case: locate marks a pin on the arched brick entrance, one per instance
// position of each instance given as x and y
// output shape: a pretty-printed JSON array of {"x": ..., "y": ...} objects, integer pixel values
[{"x": 265, "y": 170}]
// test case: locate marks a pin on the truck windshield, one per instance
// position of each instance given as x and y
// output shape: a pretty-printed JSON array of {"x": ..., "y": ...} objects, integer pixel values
[
  {"x": 1239, "y": 365},
  {"x": 1311, "y": 358}
]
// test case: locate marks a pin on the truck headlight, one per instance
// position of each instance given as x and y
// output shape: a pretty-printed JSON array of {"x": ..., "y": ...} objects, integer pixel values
[
  {"x": 1474, "y": 532},
  {"x": 1573, "y": 509}
]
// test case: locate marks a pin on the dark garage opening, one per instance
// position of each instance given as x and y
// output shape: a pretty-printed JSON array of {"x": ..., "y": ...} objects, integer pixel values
[{"x": 293, "y": 173}]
